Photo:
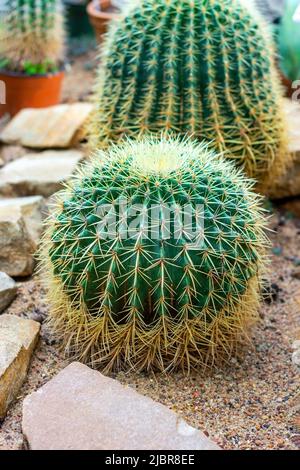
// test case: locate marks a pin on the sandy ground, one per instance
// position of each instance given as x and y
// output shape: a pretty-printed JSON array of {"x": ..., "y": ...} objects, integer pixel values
[{"x": 253, "y": 403}]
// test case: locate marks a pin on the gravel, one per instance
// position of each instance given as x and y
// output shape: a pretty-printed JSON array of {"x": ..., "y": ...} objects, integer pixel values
[{"x": 253, "y": 403}]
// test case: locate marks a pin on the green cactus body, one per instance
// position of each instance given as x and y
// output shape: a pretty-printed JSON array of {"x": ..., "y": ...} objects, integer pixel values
[
  {"x": 201, "y": 67},
  {"x": 164, "y": 290},
  {"x": 31, "y": 31}
]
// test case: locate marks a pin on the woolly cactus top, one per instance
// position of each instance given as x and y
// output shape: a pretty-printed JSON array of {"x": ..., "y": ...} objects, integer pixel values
[
  {"x": 31, "y": 33},
  {"x": 203, "y": 67},
  {"x": 153, "y": 256}
]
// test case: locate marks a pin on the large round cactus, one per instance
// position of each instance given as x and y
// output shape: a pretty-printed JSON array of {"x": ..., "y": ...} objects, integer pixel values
[
  {"x": 31, "y": 32},
  {"x": 153, "y": 257},
  {"x": 202, "y": 67}
]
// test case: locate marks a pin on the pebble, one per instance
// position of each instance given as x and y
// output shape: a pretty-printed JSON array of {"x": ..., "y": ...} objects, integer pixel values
[{"x": 296, "y": 358}]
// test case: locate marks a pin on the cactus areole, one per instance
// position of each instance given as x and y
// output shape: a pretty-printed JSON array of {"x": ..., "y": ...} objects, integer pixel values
[{"x": 153, "y": 257}]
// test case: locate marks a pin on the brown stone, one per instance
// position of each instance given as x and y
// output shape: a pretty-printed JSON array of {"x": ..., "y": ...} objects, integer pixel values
[
  {"x": 81, "y": 409},
  {"x": 296, "y": 273},
  {"x": 33, "y": 210},
  {"x": 20, "y": 232},
  {"x": 17, "y": 247},
  {"x": 54, "y": 127},
  {"x": 18, "y": 338},
  {"x": 8, "y": 153}
]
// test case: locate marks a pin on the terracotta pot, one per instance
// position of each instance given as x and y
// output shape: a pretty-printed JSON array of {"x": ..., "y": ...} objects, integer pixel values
[
  {"x": 23, "y": 91},
  {"x": 100, "y": 18}
]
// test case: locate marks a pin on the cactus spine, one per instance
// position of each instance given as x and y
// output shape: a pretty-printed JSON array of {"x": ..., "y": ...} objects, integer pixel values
[
  {"x": 31, "y": 31},
  {"x": 201, "y": 67},
  {"x": 154, "y": 295}
]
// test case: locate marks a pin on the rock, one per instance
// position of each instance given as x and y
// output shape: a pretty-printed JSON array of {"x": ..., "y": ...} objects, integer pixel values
[
  {"x": 54, "y": 127},
  {"x": 296, "y": 345},
  {"x": 81, "y": 409},
  {"x": 38, "y": 174},
  {"x": 296, "y": 273},
  {"x": 296, "y": 358},
  {"x": 8, "y": 153},
  {"x": 18, "y": 338},
  {"x": 8, "y": 291},
  {"x": 38, "y": 317},
  {"x": 33, "y": 210},
  {"x": 290, "y": 206},
  {"x": 289, "y": 185},
  {"x": 17, "y": 246}
]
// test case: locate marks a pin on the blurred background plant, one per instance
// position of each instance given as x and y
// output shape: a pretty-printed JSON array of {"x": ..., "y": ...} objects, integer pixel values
[
  {"x": 272, "y": 10},
  {"x": 32, "y": 32},
  {"x": 284, "y": 17},
  {"x": 289, "y": 41}
]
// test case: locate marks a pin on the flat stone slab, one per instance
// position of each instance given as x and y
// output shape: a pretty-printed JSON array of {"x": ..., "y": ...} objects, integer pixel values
[
  {"x": 18, "y": 338},
  {"x": 289, "y": 186},
  {"x": 39, "y": 173},
  {"x": 81, "y": 409},
  {"x": 8, "y": 291},
  {"x": 54, "y": 127}
]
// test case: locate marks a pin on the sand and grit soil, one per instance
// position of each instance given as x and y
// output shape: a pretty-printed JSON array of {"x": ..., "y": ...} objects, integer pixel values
[{"x": 253, "y": 403}]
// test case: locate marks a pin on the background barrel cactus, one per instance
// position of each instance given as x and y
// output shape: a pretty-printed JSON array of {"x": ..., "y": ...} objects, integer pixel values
[
  {"x": 133, "y": 283},
  {"x": 201, "y": 67},
  {"x": 31, "y": 34}
]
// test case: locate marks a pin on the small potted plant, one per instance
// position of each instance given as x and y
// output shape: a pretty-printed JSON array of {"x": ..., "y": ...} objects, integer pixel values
[
  {"x": 31, "y": 53},
  {"x": 101, "y": 12}
]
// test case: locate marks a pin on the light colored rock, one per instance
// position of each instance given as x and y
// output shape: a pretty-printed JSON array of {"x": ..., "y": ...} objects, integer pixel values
[
  {"x": 289, "y": 185},
  {"x": 8, "y": 291},
  {"x": 81, "y": 409},
  {"x": 38, "y": 174},
  {"x": 33, "y": 210},
  {"x": 296, "y": 345},
  {"x": 18, "y": 338},
  {"x": 296, "y": 358},
  {"x": 54, "y": 127},
  {"x": 17, "y": 247},
  {"x": 8, "y": 153}
]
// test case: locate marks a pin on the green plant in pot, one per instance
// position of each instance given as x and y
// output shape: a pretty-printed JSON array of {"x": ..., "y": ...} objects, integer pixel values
[
  {"x": 198, "y": 67},
  {"x": 153, "y": 257},
  {"x": 32, "y": 52},
  {"x": 289, "y": 45}
]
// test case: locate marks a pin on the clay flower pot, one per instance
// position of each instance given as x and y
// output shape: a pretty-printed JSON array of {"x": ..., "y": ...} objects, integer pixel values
[
  {"x": 23, "y": 91},
  {"x": 101, "y": 12}
]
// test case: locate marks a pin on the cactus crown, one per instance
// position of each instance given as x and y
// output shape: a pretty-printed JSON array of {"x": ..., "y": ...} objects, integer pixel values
[
  {"x": 168, "y": 274},
  {"x": 31, "y": 33},
  {"x": 202, "y": 67}
]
